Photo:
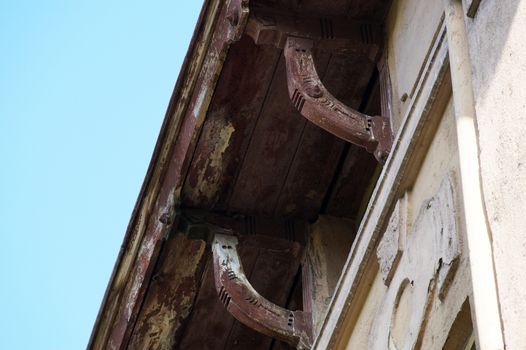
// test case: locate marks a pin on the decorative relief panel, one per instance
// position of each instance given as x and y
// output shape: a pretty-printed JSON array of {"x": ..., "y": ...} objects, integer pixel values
[
  {"x": 390, "y": 248},
  {"x": 418, "y": 267}
]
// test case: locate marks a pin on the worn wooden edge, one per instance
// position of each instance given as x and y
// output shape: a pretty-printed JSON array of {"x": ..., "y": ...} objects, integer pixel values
[
  {"x": 408, "y": 150},
  {"x": 184, "y": 86}
]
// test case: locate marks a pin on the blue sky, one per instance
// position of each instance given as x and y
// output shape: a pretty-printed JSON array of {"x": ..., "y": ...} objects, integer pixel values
[{"x": 84, "y": 86}]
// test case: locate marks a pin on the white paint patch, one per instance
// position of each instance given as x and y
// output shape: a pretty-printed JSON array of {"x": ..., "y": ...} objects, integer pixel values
[{"x": 199, "y": 103}]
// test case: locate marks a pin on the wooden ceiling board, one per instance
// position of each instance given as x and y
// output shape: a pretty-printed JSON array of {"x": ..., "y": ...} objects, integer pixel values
[
  {"x": 355, "y": 8},
  {"x": 271, "y": 150},
  {"x": 230, "y": 122}
]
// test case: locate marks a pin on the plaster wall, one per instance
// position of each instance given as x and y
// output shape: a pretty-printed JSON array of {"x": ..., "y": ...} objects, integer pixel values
[
  {"x": 497, "y": 51},
  {"x": 411, "y": 26},
  {"x": 498, "y": 55},
  {"x": 360, "y": 335},
  {"x": 441, "y": 161},
  {"x": 420, "y": 312},
  {"x": 395, "y": 323}
]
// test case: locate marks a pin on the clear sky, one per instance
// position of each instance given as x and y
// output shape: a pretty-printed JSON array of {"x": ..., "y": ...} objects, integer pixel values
[{"x": 84, "y": 86}]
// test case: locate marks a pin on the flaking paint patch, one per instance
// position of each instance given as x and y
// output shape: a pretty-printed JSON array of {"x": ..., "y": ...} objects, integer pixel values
[
  {"x": 213, "y": 165},
  {"x": 171, "y": 294}
]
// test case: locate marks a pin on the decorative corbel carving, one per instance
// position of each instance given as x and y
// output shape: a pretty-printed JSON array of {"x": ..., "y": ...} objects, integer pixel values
[
  {"x": 315, "y": 103},
  {"x": 248, "y": 306},
  {"x": 298, "y": 36},
  {"x": 423, "y": 274}
]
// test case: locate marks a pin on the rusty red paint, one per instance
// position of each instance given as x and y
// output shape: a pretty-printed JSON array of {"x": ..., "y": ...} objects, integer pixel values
[
  {"x": 271, "y": 150},
  {"x": 347, "y": 196},
  {"x": 360, "y": 9},
  {"x": 318, "y": 154},
  {"x": 210, "y": 326},
  {"x": 171, "y": 294},
  {"x": 227, "y": 173}
]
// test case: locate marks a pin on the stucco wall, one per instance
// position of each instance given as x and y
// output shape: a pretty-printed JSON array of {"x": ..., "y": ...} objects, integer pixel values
[
  {"x": 497, "y": 44},
  {"x": 398, "y": 323},
  {"x": 416, "y": 313},
  {"x": 498, "y": 53}
]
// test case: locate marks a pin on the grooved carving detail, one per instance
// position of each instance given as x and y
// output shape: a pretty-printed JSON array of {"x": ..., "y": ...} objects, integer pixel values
[
  {"x": 314, "y": 102},
  {"x": 248, "y": 306}
]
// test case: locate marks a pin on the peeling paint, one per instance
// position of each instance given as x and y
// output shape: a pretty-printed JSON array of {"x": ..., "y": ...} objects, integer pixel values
[
  {"x": 213, "y": 165},
  {"x": 171, "y": 294}
]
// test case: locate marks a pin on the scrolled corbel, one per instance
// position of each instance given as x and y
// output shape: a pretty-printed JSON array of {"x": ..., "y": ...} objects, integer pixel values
[
  {"x": 318, "y": 105},
  {"x": 250, "y": 308}
]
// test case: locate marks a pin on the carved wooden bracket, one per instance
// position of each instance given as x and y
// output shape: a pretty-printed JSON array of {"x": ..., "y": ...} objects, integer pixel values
[
  {"x": 315, "y": 103},
  {"x": 248, "y": 306}
]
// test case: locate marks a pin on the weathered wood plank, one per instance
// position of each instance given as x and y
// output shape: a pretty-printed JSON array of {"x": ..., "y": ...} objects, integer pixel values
[
  {"x": 186, "y": 116},
  {"x": 354, "y": 180},
  {"x": 375, "y": 11},
  {"x": 171, "y": 294},
  {"x": 271, "y": 150},
  {"x": 229, "y": 124}
]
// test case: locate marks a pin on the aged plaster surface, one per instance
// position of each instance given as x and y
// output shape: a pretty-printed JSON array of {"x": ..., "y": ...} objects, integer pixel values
[
  {"x": 171, "y": 294},
  {"x": 409, "y": 148},
  {"x": 427, "y": 266},
  {"x": 497, "y": 50},
  {"x": 329, "y": 243}
]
